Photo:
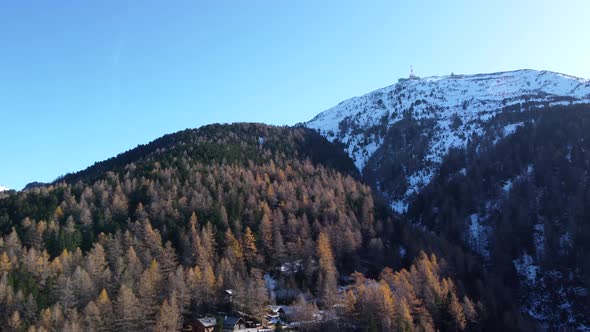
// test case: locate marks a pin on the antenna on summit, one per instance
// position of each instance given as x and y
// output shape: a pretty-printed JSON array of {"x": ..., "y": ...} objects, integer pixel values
[{"x": 412, "y": 75}]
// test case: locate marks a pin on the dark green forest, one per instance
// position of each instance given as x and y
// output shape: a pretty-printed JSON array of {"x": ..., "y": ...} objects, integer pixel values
[{"x": 528, "y": 194}]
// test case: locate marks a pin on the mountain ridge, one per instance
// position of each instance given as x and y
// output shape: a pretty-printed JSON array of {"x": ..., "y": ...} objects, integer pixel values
[
  {"x": 457, "y": 107},
  {"x": 453, "y": 75},
  {"x": 192, "y": 138}
]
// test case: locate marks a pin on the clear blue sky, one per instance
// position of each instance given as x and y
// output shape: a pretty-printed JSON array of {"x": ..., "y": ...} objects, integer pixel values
[{"x": 81, "y": 81}]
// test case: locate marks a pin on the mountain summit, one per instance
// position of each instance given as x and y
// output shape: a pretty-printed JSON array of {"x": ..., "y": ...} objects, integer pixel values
[{"x": 422, "y": 118}]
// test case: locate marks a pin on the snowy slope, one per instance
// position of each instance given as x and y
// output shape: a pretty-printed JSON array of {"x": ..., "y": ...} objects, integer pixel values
[
  {"x": 3, "y": 188},
  {"x": 473, "y": 99}
]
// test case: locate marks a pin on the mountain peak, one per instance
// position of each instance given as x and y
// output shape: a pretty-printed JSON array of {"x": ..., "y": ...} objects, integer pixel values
[
  {"x": 511, "y": 73},
  {"x": 3, "y": 188},
  {"x": 456, "y": 106}
]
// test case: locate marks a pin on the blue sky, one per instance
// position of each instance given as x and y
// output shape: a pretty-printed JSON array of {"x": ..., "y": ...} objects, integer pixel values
[{"x": 81, "y": 81}]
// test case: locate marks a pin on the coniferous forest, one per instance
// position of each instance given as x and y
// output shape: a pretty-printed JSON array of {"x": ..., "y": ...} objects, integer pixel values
[
  {"x": 239, "y": 219},
  {"x": 522, "y": 204},
  {"x": 157, "y": 237}
]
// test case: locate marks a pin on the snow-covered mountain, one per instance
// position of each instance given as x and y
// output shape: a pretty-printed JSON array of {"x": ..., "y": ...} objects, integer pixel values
[
  {"x": 420, "y": 119},
  {"x": 3, "y": 188}
]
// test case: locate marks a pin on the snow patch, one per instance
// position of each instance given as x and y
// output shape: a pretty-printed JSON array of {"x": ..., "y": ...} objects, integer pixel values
[
  {"x": 507, "y": 186},
  {"x": 539, "y": 238},
  {"x": 526, "y": 268},
  {"x": 290, "y": 268},
  {"x": 478, "y": 236},
  {"x": 271, "y": 285},
  {"x": 402, "y": 251},
  {"x": 511, "y": 128},
  {"x": 566, "y": 243},
  {"x": 399, "y": 206}
]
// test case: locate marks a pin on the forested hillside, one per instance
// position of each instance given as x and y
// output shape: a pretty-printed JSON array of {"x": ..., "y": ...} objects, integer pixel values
[
  {"x": 522, "y": 203},
  {"x": 156, "y": 237}
]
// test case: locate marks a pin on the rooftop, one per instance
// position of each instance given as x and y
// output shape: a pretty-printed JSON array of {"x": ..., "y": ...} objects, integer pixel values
[{"x": 208, "y": 321}]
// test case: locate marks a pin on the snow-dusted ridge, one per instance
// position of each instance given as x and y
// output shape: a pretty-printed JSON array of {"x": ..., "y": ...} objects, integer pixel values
[
  {"x": 472, "y": 99},
  {"x": 3, "y": 188}
]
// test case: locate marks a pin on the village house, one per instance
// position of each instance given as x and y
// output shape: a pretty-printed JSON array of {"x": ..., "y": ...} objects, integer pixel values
[
  {"x": 229, "y": 295},
  {"x": 232, "y": 323},
  {"x": 205, "y": 324},
  {"x": 276, "y": 314}
]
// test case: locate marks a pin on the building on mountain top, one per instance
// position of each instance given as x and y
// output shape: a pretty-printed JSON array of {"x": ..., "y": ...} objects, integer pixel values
[{"x": 412, "y": 75}]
